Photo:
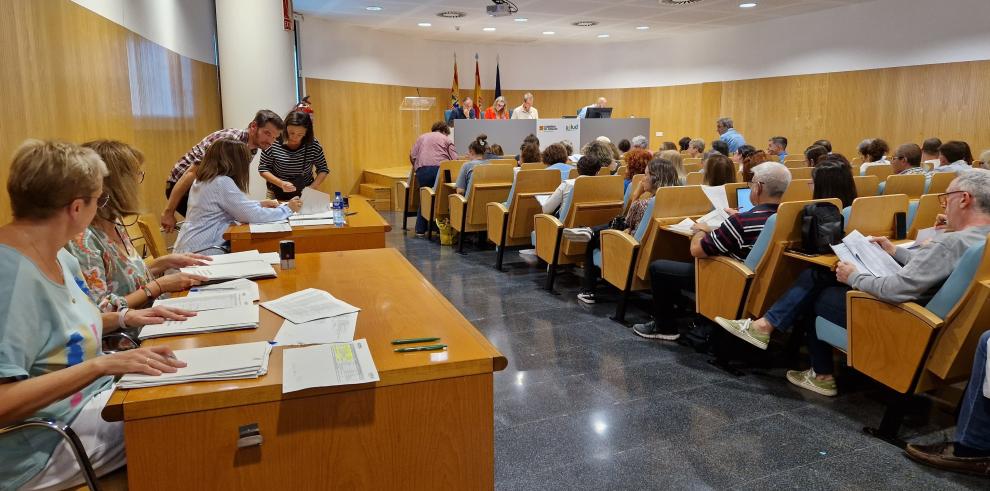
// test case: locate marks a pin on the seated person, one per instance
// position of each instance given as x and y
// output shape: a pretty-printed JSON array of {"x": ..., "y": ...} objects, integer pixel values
[
  {"x": 636, "y": 162},
  {"x": 51, "y": 364},
  {"x": 777, "y": 147},
  {"x": 833, "y": 179},
  {"x": 984, "y": 160},
  {"x": 817, "y": 292},
  {"x": 476, "y": 155},
  {"x": 116, "y": 275},
  {"x": 587, "y": 166},
  {"x": 217, "y": 200},
  {"x": 742, "y": 152},
  {"x": 529, "y": 153},
  {"x": 815, "y": 154},
  {"x": 719, "y": 170},
  {"x": 624, "y": 145},
  {"x": 466, "y": 110},
  {"x": 603, "y": 152},
  {"x": 667, "y": 146},
  {"x": 751, "y": 160},
  {"x": 874, "y": 152},
  {"x": 696, "y": 148},
  {"x": 498, "y": 109},
  {"x": 495, "y": 151},
  {"x": 721, "y": 147},
  {"x": 954, "y": 156},
  {"x": 555, "y": 157},
  {"x": 824, "y": 143},
  {"x": 683, "y": 143},
  {"x": 929, "y": 152},
  {"x": 659, "y": 173},
  {"x": 734, "y": 238},
  {"x": 970, "y": 453},
  {"x": 641, "y": 142},
  {"x": 907, "y": 160},
  {"x": 675, "y": 158}
]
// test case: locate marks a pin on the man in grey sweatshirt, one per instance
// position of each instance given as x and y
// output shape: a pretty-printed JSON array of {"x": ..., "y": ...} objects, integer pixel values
[{"x": 818, "y": 293}]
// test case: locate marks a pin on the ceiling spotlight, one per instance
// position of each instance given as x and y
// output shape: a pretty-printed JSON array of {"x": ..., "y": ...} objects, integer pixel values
[
  {"x": 584, "y": 23},
  {"x": 521, "y": 19},
  {"x": 642, "y": 28},
  {"x": 549, "y": 33},
  {"x": 677, "y": 2},
  {"x": 451, "y": 14},
  {"x": 603, "y": 35},
  {"x": 747, "y": 5},
  {"x": 373, "y": 8},
  {"x": 424, "y": 24},
  {"x": 489, "y": 29}
]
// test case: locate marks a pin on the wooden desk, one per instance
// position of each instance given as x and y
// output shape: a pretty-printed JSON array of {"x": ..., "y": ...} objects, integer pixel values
[
  {"x": 827, "y": 260},
  {"x": 428, "y": 424},
  {"x": 389, "y": 177},
  {"x": 365, "y": 230}
]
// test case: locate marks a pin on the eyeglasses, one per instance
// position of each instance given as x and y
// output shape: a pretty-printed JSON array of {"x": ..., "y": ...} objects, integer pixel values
[
  {"x": 943, "y": 199},
  {"x": 897, "y": 157},
  {"x": 101, "y": 202}
]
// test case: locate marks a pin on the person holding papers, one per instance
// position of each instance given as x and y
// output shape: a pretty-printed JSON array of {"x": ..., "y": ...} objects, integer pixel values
[
  {"x": 817, "y": 293},
  {"x": 51, "y": 364},
  {"x": 217, "y": 200},
  {"x": 116, "y": 275},
  {"x": 734, "y": 238},
  {"x": 288, "y": 164}
]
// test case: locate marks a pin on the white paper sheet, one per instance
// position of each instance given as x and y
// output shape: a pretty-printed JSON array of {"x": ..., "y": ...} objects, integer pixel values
[
  {"x": 308, "y": 305},
  {"x": 271, "y": 258},
  {"x": 716, "y": 194},
  {"x": 714, "y": 218},
  {"x": 327, "y": 365},
  {"x": 338, "y": 329},
  {"x": 310, "y": 223},
  {"x": 871, "y": 257},
  {"x": 220, "y": 299},
  {"x": 243, "y": 317},
  {"x": 247, "y": 289},
  {"x": 314, "y": 201},
  {"x": 236, "y": 257},
  {"x": 234, "y": 361},
  {"x": 247, "y": 269},
  {"x": 924, "y": 236},
  {"x": 269, "y": 228},
  {"x": 683, "y": 226}
]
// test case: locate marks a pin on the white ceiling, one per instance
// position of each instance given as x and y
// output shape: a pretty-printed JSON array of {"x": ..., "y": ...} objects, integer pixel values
[{"x": 617, "y": 18}]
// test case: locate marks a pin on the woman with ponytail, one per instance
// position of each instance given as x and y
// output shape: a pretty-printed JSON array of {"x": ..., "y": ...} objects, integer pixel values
[{"x": 476, "y": 155}]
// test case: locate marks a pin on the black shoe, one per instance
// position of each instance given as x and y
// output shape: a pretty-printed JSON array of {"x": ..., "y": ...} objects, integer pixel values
[{"x": 650, "y": 330}]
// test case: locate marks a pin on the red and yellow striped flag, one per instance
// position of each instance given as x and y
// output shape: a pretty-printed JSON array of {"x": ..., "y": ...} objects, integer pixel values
[
  {"x": 455, "y": 89},
  {"x": 477, "y": 88}
]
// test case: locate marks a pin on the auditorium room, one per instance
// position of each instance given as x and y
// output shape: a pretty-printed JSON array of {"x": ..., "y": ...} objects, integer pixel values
[{"x": 495, "y": 245}]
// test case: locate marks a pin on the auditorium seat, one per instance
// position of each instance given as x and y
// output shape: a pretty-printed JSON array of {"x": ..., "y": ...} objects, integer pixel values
[
  {"x": 798, "y": 190},
  {"x": 692, "y": 160},
  {"x": 879, "y": 170},
  {"x": 874, "y": 215},
  {"x": 913, "y": 185},
  {"x": 921, "y": 214},
  {"x": 940, "y": 182},
  {"x": 621, "y": 171},
  {"x": 692, "y": 167},
  {"x": 803, "y": 172},
  {"x": 510, "y": 224},
  {"x": 695, "y": 178},
  {"x": 730, "y": 192},
  {"x": 532, "y": 166},
  {"x": 503, "y": 161},
  {"x": 435, "y": 197},
  {"x": 489, "y": 183},
  {"x": 410, "y": 200},
  {"x": 867, "y": 185},
  {"x": 604, "y": 171},
  {"x": 799, "y": 163}
]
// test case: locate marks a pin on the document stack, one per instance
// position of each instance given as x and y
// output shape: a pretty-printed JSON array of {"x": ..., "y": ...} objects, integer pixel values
[
  {"x": 867, "y": 256},
  {"x": 217, "y": 320},
  {"x": 248, "y": 264},
  {"x": 316, "y": 209},
  {"x": 229, "y": 362}
]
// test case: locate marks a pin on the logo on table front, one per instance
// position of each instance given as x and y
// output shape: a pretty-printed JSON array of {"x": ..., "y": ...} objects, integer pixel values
[
  {"x": 571, "y": 127},
  {"x": 547, "y": 127}
]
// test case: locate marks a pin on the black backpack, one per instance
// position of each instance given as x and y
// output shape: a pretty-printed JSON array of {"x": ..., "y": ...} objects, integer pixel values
[{"x": 822, "y": 225}]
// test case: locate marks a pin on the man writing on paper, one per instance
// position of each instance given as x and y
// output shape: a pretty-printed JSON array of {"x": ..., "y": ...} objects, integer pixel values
[
  {"x": 817, "y": 293},
  {"x": 734, "y": 238}
]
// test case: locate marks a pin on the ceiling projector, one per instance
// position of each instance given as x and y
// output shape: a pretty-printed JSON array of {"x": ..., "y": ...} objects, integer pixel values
[{"x": 501, "y": 10}]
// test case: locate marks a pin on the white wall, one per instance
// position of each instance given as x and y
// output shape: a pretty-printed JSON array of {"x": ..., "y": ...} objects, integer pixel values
[
  {"x": 880, "y": 34},
  {"x": 186, "y": 27}
]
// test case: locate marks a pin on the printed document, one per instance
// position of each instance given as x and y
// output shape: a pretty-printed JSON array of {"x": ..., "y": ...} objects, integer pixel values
[
  {"x": 243, "y": 317},
  {"x": 327, "y": 365},
  {"x": 221, "y": 299},
  {"x": 235, "y": 257},
  {"x": 338, "y": 329},
  {"x": 716, "y": 194},
  {"x": 308, "y": 305},
  {"x": 314, "y": 201},
  {"x": 305, "y": 222},
  {"x": 247, "y": 289},
  {"x": 247, "y": 269},
  {"x": 270, "y": 228},
  {"x": 683, "y": 226},
  {"x": 867, "y": 256},
  {"x": 228, "y": 362}
]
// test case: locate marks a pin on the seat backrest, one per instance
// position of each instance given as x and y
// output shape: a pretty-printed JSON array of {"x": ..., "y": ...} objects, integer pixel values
[
  {"x": 856, "y": 162},
  {"x": 795, "y": 157},
  {"x": 758, "y": 252},
  {"x": 573, "y": 174},
  {"x": 921, "y": 214},
  {"x": 503, "y": 161},
  {"x": 451, "y": 167},
  {"x": 913, "y": 185},
  {"x": 621, "y": 171},
  {"x": 604, "y": 171},
  {"x": 867, "y": 185},
  {"x": 882, "y": 171},
  {"x": 802, "y": 172},
  {"x": 151, "y": 235},
  {"x": 692, "y": 167},
  {"x": 955, "y": 285},
  {"x": 796, "y": 163},
  {"x": 593, "y": 201},
  {"x": 798, "y": 190},
  {"x": 532, "y": 166},
  {"x": 488, "y": 183},
  {"x": 730, "y": 192},
  {"x": 692, "y": 160},
  {"x": 695, "y": 178},
  {"x": 874, "y": 215},
  {"x": 940, "y": 182},
  {"x": 523, "y": 205}
]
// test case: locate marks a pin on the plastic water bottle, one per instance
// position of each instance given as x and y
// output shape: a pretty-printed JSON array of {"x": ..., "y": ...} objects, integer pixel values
[{"x": 338, "y": 210}]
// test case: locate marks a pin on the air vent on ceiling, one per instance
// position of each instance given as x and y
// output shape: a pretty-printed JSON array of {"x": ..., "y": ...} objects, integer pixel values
[
  {"x": 451, "y": 14},
  {"x": 677, "y": 2},
  {"x": 585, "y": 23}
]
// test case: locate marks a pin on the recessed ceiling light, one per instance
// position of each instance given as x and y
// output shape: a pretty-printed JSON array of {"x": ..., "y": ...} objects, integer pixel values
[
  {"x": 549, "y": 33},
  {"x": 747, "y": 5},
  {"x": 373, "y": 8},
  {"x": 603, "y": 35},
  {"x": 451, "y": 14},
  {"x": 489, "y": 29},
  {"x": 424, "y": 24},
  {"x": 585, "y": 23},
  {"x": 643, "y": 28},
  {"x": 521, "y": 19},
  {"x": 677, "y": 2}
]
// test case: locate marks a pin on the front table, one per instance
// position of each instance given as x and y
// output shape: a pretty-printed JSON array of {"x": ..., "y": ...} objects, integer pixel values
[
  {"x": 365, "y": 230},
  {"x": 428, "y": 424}
]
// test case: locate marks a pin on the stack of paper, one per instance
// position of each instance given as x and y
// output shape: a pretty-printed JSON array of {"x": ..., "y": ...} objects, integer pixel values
[
  {"x": 210, "y": 300},
  {"x": 326, "y": 365},
  {"x": 308, "y": 305},
  {"x": 236, "y": 257},
  {"x": 243, "y": 317},
  {"x": 338, "y": 329},
  {"x": 867, "y": 256},
  {"x": 247, "y": 289},
  {"x": 230, "y": 271},
  {"x": 314, "y": 203},
  {"x": 234, "y": 361},
  {"x": 682, "y": 226},
  {"x": 269, "y": 228}
]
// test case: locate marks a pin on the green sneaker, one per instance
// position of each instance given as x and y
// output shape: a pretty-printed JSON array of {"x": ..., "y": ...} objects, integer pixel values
[
  {"x": 743, "y": 329},
  {"x": 807, "y": 380}
]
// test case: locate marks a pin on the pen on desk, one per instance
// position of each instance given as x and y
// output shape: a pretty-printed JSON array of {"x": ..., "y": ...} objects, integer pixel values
[
  {"x": 414, "y": 340},
  {"x": 432, "y": 347}
]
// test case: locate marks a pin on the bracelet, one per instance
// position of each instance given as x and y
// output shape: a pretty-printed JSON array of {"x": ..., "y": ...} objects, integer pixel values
[
  {"x": 120, "y": 317},
  {"x": 147, "y": 291},
  {"x": 160, "y": 289}
]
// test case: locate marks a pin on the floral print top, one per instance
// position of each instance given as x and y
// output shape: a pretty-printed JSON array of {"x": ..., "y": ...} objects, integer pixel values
[{"x": 111, "y": 271}]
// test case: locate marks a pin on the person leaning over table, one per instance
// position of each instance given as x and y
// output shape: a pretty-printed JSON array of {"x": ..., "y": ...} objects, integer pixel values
[
  {"x": 116, "y": 275},
  {"x": 288, "y": 164},
  {"x": 51, "y": 364},
  {"x": 218, "y": 200},
  {"x": 425, "y": 156}
]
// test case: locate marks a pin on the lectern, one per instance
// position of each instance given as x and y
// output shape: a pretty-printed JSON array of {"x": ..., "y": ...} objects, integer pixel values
[{"x": 417, "y": 105}]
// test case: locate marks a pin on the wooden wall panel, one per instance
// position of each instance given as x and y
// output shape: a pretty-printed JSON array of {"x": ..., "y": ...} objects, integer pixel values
[{"x": 71, "y": 74}]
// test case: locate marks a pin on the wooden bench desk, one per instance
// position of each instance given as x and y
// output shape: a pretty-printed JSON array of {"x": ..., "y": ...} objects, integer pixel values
[
  {"x": 365, "y": 230},
  {"x": 428, "y": 424},
  {"x": 389, "y": 177}
]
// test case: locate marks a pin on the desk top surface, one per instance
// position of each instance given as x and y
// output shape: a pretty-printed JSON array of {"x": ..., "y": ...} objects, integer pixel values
[
  {"x": 365, "y": 220},
  {"x": 396, "y": 301},
  {"x": 399, "y": 172}
]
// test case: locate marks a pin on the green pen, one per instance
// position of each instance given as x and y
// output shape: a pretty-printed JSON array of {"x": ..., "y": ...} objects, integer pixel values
[
  {"x": 414, "y": 340},
  {"x": 432, "y": 347}
]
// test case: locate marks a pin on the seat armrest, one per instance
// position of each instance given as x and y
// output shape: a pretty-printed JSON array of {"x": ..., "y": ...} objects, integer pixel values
[
  {"x": 495, "y": 214},
  {"x": 547, "y": 237},
  {"x": 721, "y": 284},
  {"x": 458, "y": 207},
  {"x": 619, "y": 252}
]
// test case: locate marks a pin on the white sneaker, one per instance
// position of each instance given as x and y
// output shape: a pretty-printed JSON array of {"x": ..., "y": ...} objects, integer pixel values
[{"x": 579, "y": 234}]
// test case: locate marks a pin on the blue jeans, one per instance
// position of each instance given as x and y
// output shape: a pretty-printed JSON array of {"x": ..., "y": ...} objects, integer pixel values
[
  {"x": 426, "y": 176},
  {"x": 973, "y": 427}
]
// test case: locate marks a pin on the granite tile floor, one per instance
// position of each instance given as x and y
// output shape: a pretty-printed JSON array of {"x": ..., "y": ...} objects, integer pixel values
[{"x": 586, "y": 404}]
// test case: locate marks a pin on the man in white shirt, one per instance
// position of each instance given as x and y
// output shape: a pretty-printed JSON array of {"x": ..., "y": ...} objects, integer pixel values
[
  {"x": 526, "y": 110},
  {"x": 584, "y": 110},
  {"x": 953, "y": 157}
]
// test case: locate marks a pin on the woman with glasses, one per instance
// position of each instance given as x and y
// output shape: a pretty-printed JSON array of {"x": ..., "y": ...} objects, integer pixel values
[{"x": 116, "y": 275}]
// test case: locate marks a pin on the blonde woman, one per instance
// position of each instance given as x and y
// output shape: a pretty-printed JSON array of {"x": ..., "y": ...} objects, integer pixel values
[
  {"x": 675, "y": 158},
  {"x": 497, "y": 110}
]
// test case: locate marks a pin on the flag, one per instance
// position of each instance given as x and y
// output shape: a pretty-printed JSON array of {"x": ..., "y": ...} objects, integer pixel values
[
  {"x": 477, "y": 87},
  {"x": 498, "y": 80},
  {"x": 455, "y": 90}
]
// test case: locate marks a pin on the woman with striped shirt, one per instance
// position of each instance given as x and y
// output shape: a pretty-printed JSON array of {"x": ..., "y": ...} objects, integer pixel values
[{"x": 288, "y": 164}]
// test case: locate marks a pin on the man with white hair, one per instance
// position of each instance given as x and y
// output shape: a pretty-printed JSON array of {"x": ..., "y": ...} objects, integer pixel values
[
  {"x": 729, "y": 135},
  {"x": 816, "y": 294},
  {"x": 526, "y": 110},
  {"x": 640, "y": 141},
  {"x": 733, "y": 238},
  {"x": 583, "y": 113}
]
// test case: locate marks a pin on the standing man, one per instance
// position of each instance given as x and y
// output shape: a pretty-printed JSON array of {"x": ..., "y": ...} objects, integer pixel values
[
  {"x": 778, "y": 146},
  {"x": 584, "y": 110},
  {"x": 263, "y": 130},
  {"x": 429, "y": 150},
  {"x": 729, "y": 135},
  {"x": 526, "y": 110}
]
